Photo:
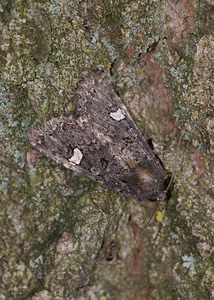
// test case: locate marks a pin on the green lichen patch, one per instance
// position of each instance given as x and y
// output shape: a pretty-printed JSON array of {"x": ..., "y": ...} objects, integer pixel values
[
  {"x": 25, "y": 40},
  {"x": 64, "y": 236}
]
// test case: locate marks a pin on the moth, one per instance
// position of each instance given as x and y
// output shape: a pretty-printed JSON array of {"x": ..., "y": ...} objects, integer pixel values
[{"x": 101, "y": 141}]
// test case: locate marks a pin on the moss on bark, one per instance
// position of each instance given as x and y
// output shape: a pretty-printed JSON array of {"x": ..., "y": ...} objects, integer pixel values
[{"x": 64, "y": 237}]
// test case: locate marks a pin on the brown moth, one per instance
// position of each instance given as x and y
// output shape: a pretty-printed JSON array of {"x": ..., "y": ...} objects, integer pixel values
[{"x": 101, "y": 141}]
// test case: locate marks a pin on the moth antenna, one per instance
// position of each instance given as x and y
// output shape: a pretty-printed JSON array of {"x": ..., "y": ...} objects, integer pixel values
[
  {"x": 156, "y": 209},
  {"x": 173, "y": 171},
  {"x": 139, "y": 238}
]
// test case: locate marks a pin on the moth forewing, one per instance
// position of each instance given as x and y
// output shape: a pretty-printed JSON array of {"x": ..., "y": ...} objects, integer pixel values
[{"x": 102, "y": 142}]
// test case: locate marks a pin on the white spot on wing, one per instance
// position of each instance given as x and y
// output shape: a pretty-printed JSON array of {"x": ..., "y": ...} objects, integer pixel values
[
  {"x": 118, "y": 115},
  {"x": 77, "y": 157}
]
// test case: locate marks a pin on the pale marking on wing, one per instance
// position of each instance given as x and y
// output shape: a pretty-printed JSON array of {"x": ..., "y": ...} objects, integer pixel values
[
  {"x": 118, "y": 115},
  {"x": 76, "y": 157}
]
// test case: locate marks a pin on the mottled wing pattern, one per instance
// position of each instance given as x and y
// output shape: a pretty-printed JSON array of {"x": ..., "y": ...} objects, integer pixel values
[{"x": 101, "y": 142}]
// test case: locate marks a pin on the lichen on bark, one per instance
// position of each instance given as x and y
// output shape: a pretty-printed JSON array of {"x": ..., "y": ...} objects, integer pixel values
[{"x": 64, "y": 237}]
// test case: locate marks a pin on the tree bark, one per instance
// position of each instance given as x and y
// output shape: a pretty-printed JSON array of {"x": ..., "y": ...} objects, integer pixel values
[{"x": 62, "y": 235}]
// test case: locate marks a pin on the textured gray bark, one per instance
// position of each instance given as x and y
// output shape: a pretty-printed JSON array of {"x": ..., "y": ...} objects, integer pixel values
[{"x": 63, "y": 236}]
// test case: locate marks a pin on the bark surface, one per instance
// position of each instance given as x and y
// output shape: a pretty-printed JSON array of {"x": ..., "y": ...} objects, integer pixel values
[{"x": 64, "y": 236}]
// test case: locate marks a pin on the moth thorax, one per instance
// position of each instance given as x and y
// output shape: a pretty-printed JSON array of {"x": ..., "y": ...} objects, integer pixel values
[{"x": 145, "y": 176}]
